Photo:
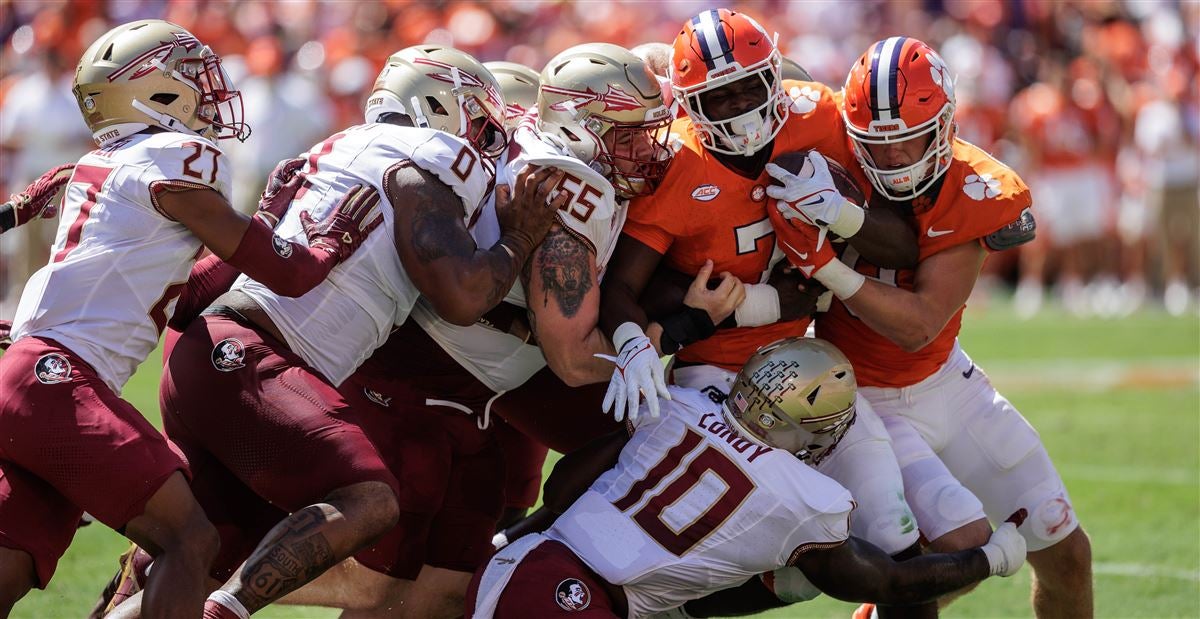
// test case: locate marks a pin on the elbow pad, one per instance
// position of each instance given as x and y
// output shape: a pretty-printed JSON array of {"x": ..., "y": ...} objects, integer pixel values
[{"x": 1019, "y": 232}]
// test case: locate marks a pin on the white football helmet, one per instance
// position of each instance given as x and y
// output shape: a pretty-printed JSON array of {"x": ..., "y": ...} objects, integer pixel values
[
  {"x": 155, "y": 73},
  {"x": 519, "y": 85},
  {"x": 445, "y": 89},
  {"x": 590, "y": 91}
]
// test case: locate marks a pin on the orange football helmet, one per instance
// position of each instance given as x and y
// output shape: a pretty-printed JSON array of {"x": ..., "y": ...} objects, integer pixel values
[
  {"x": 714, "y": 49},
  {"x": 899, "y": 90}
]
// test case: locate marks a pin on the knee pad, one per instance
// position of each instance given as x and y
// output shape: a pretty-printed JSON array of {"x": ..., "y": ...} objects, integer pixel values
[
  {"x": 941, "y": 503},
  {"x": 883, "y": 517},
  {"x": 790, "y": 585},
  {"x": 1050, "y": 520}
]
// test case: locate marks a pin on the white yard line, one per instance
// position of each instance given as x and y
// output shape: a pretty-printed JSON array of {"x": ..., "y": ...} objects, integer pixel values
[
  {"x": 1141, "y": 570},
  {"x": 1092, "y": 374}
]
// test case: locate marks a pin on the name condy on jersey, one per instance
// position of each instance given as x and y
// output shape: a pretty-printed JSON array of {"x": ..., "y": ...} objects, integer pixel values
[
  {"x": 499, "y": 360},
  {"x": 338, "y": 324},
  {"x": 692, "y": 508},
  {"x": 118, "y": 264}
]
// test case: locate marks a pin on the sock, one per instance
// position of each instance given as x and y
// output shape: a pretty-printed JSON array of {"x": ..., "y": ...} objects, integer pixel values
[{"x": 222, "y": 605}]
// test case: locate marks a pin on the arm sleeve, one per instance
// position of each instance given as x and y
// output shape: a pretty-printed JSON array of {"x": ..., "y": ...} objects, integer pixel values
[
  {"x": 287, "y": 268},
  {"x": 210, "y": 278}
]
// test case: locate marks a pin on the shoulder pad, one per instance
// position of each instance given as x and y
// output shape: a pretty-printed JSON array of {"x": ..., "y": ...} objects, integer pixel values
[
  {"x": 190, "y": 159},
  {"x": 457, "y": 165},
  {"x": 1019, "y": 232}
]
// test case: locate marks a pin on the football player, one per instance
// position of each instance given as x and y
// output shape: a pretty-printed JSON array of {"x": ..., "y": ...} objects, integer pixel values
[
  {"x": 713, "y": 205},
  {"x": 249, "y": 392},
  {"x": 136, "y": 214},
  {"x": 899, "y": 327},
  {"x": 707, "y": 496},
  {"x": 523, "y": 455}
]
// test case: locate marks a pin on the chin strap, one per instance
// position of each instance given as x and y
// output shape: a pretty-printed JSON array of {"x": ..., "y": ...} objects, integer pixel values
[{"x": 163, "y": 119}]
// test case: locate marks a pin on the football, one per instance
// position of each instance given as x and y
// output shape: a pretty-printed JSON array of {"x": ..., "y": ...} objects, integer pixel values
[{"x": 796, "y": 162}]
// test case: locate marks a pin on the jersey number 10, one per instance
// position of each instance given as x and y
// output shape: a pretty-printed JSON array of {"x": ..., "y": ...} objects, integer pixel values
[{"x": 710, "y": 460}]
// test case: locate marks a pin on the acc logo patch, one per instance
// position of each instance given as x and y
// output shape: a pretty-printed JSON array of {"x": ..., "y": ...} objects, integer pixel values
[
  {"x": 572, "y": 595},
  {"x": 228, "y": 355},
  {"x": 758, "y": 193},
  {"x": 705, "y": 193},
  {"x": 281, "y": 247},
  {"x": 52, "y": 368}
]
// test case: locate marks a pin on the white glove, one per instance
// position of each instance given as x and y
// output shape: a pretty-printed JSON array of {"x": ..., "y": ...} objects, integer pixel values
[
  {"x": 1005, "y": 550},
  {"x": 638, "y": 371},
  {"x": 812, "y": 196}
]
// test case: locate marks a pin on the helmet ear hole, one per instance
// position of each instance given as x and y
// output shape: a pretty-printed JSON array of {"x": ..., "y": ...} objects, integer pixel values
[
  {"x": 165, "y": 98},
  {"x": 435, "y": 107},
  {"x": 567, "y": 132}
]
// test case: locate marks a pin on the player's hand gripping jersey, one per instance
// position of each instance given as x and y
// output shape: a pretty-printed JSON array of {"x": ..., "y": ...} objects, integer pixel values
[
  {"x": 692, "y": 507},
  {"x": 119, "y": 264},
  {"x": 704, "y": 209},
  {"x": 340, "y": 322},
  {"x": 498, "y": 359},
  {"x": 980, "y": 199}
]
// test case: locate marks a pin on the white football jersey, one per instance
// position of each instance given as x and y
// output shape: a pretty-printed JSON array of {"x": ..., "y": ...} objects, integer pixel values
[
  {"x": 118, "y": 264},
  {"x": 692, "y": 507},
  {"x": 497, "y": 359},
  {"x": 338, "y": 324}
]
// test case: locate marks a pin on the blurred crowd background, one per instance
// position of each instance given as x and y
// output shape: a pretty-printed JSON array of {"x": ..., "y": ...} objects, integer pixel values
[{"x": 1095, "y": 103}]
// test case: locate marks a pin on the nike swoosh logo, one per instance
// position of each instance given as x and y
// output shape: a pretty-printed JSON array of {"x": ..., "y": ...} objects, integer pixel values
[
  {"x": 969, "y": 372},
  {"x": 936, "y": 233},
  {"x": 802, "y": 255}
]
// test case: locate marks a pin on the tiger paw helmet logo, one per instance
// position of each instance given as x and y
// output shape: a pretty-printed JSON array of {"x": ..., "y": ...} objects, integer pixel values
[
  {"x": 941, "y": 74},
  {"x": 52, "y": 368},
  {"x": 572, "y": 595},
  {"x": 980, "y": 186},
  {"x": 228, "y": 355}
]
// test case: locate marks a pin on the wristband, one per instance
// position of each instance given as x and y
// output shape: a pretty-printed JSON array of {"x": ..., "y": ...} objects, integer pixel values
[
  {"x": 995, "y": 558},
  {"x": 840, "y": 279},
  {"x": 761, "y": 306},
  {"x": 627, "y": 331},
  {"x": 679, "y": 330},
  {"x": 849, "y": 221}
]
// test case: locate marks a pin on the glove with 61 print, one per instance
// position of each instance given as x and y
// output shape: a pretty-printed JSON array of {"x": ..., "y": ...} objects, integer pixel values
[{"x": 639, "y": 372}]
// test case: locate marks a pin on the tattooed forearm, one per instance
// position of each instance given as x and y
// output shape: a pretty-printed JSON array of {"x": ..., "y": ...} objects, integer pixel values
[
  {"x": 562, "y": 262},
  {"x": 292, "y": 554}
]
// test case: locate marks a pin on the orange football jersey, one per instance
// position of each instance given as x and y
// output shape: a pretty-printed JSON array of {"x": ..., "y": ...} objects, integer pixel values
[
  {"x": 978, "y": 196},
  {"x": 703, "y": 209}
]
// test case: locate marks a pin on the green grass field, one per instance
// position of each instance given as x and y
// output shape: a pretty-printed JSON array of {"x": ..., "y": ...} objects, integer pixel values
[{"x": 1118, "y": 407}]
